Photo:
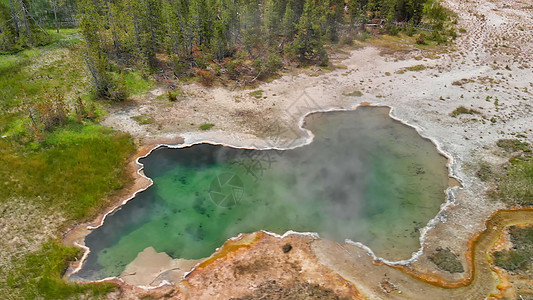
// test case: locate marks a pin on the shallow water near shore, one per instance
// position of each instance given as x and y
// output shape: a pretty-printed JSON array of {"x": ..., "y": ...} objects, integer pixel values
[{"x": 365, "y": 177}]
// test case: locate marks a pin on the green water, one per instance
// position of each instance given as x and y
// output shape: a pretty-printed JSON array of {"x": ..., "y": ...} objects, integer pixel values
[{"x": 365, "y": 177}]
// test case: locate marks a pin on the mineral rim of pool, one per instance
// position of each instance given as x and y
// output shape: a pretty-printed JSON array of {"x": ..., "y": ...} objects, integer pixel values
[{"x": 365, "y": 177}]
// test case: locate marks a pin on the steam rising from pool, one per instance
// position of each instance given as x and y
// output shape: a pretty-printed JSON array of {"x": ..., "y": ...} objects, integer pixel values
[{"x": 365, "y": 177}]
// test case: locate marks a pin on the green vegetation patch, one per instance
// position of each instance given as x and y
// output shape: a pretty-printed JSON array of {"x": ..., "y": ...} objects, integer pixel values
[
  {"x": 354, "y": 94},
  {"x": 485, "y": 172},
  {"x": 143, "y": 120},
  {"x": 137, "y": 84},
  {"x": 412, "y": 69},
  {"x": 515, "y": 187},
  {"x": 206, "y": 126},
  {"x": 174, "y": 95},
  {"x": 31, "y": 72},
  {"x": 461, "y": 110},
  {"x": 421, "y": 39},
  {"x": 513, "y": 145},
  {"x": 38, "y": 276},
  {"x": 70, "y": 165},
  {"x": 32, "y": 77},
  {"x": 73, "y": 169},
  {"x": 462, "y": 81},
  {"x": 519, "y": 256},
  {"x": 446, "y": 260},
  {"x": 257, "y": 94},
  {"x": 416, "y": 68}
]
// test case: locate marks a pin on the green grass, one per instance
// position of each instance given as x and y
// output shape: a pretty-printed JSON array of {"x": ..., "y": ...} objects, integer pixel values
[
  {"x": 257, "y": 94},
  {"x": 173, "y": 96},
  {"x": 485, "y": 172},
  {"x": 50, "y": 69},
  {"x": 72, "y": 170},
  {"x": 12, "y": 77},
  {"x": 143, "y": 120},
  {"x": 137, "y": 84},
  {"x": 354, "y": 94},
  {"x": 412, "y": 69},
  {"x": 515, "y": 187},
  {"x": 26, "y": 76},
  {"x": 63, "y": 32},
  {"x": 513, "y": 145},
  {"x": 38, "y": 276},
  {"x": 514, "y": 180},
  {"x": 416, "y": 68},
  {"x": 446, "y": 260},
  {"x": 519, "y": 256},
  {"x": 206, "y": 126},
  {"x": 461, "y": 110}
]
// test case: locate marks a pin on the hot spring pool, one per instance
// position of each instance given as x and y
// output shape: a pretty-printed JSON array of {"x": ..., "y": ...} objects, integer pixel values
[{"x": 365, "y": 177}]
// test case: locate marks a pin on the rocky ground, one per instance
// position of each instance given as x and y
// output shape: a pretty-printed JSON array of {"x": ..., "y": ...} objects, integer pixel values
[{"x": 489, "y": 69}]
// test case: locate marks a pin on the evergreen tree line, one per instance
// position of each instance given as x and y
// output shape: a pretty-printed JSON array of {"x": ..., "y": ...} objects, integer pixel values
[
  {"x": 23, "y": 22},
  {"x": 55, "y": 13},
  {"x": 187, "y": 35},
  {"x": 205, "y": 38},
  {"x": 17, "y": 26}
]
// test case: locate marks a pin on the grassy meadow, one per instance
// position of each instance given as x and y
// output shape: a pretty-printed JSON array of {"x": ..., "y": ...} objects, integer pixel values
[{"x": 63, "y": 174}]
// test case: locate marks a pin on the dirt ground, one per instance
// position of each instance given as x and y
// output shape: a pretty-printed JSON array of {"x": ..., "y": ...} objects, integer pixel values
[{"x": 489, "y": 69}]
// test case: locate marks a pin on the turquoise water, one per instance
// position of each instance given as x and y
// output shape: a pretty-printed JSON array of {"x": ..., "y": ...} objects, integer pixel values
[{"x": 365, "y": 177}]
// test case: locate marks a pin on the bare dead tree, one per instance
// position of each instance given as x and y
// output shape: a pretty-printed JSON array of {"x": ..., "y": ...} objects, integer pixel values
[
  {"x": 15, "y": 18},
  {"x": 54, "y": 2},
  {"x": 25, "y": 16}
]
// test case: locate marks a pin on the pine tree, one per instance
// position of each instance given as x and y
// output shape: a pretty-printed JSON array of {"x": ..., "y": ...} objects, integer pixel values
[
  {"x": 271, "y": 21},
  {"x": 173, "y": 38},
  {"x": 416, "y": 8},
  {"x": 150, "y": 27},
  {"x": 308, "y": 44},
  {"x": 229, "y": 14},
  {"x": 288, "y": 24},
  {"x": 353, "y": 13},
  {"x": 14, "y": 17},
  {"x": 221, "y": 34},
  {"x": 7, "y": 30},
  {"x": 202, "y": 16},
  {"x": 112, "y": 19},
  {"x": 192, "y": 33},
  {"x": 18, "y": 28},
  {"x": 91, "y": 25},
  {"x": 336, "y": 19},
  {"x": 251, "y": 25},
  {"x": 298, "y": 7},
  {"x": 187, "y": 28}
]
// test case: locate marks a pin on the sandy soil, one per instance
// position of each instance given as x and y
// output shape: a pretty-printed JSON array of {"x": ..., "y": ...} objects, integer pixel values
[
  {"x": 236, "y": 271},
  {"x": 151, "y": 268},
  {"x": 491, "y": 61}
]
